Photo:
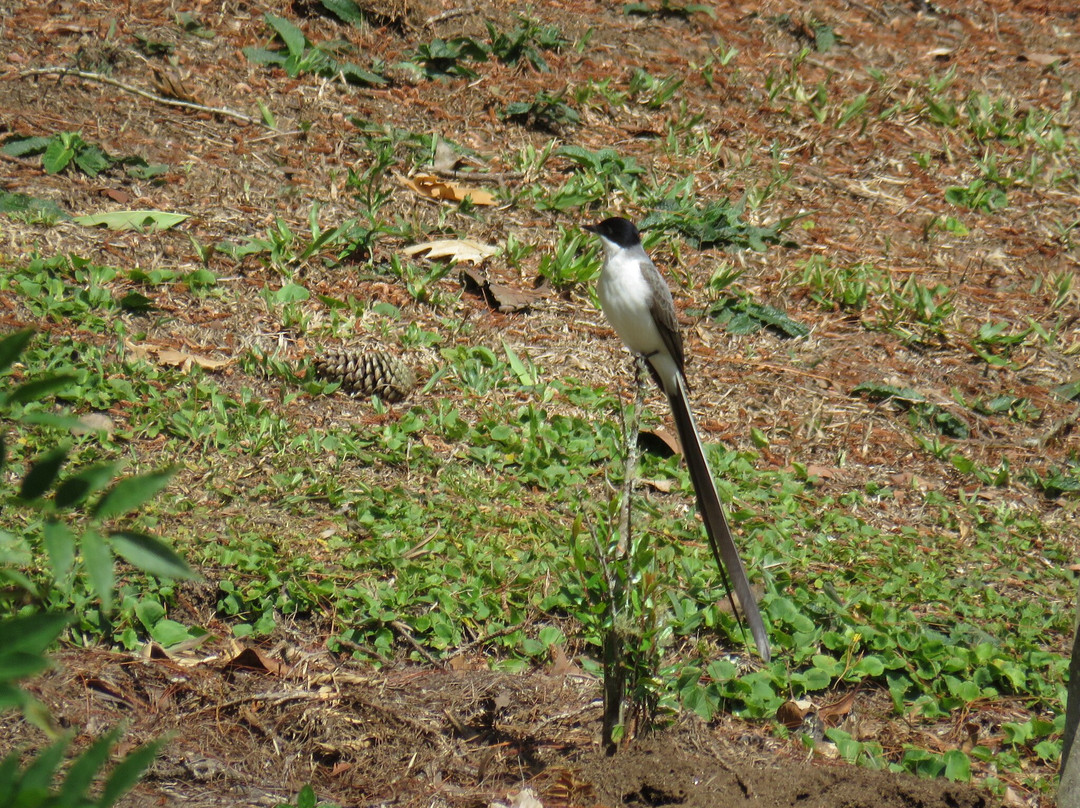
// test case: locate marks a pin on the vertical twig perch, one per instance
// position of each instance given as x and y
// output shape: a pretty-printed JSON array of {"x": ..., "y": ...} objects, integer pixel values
[
  {"x": 631, "y": 427},
  {"x": 615, "y": 667},
  {"x": 614, "y": 686}
]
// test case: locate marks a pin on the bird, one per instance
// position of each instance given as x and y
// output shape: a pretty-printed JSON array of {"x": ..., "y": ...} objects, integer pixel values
[{"x": 637, "y": 302}]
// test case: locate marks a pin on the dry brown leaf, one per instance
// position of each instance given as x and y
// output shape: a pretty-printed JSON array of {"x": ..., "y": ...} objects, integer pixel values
[
  {"x": 659, "y": 442},
  {"x": 171, "y": 85},
  {"x": 832, "y": 714},
  {"x": 168, "y": 356},
  {"x": 663, "y": 486},
  {"x": 502, "y": 298},
  {"x": 458, "y": 249},
  {"x": 253, "y": 659},
  {"x": 791, "y": 713},
  {"x": 116, "y": 195},
  {"x": 435, "y": 188},
  {"x": 175, "y": 358},
  {"x": 463, "y": 662},
  {"x": 1042, "y": 59},
  {"x": 508, "y": 299},
  {"x": 561, "y": 664}
]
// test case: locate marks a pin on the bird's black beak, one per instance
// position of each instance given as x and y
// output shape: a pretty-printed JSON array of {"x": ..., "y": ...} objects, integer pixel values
[{"x": 592, "y": 228}]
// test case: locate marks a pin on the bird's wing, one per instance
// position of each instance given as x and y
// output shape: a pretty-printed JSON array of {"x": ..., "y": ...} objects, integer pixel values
[{"x": 662, "y": 308}]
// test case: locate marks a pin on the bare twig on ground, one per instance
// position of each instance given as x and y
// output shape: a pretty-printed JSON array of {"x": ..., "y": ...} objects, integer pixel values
[
  {"x": 86, "y": 75},
  {"x": 448, "y": 15},
  {"x": 403, "y": 630},
  {"x": 479, "y": 175}
]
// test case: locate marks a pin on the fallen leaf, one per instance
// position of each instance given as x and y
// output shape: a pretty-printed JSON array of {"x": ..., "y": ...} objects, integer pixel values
[
  {"x": 507, "y": 299},
  {"x": 173, "y": 357},
  {"x": 502, "y": 298},
  {"x": 120, "y": 197},
  {"x": 832, "y": 714},
  {"x": 150, "y": 221},
  {"x": 663, "y": 486},
  {"x": 1041, "y": 59},
  {"x": 252, "y": 659},
  {"x": 445, "y": 159},
  {"x": 658, "y": 442},
  {"x": 561, "y": 664},
  {"x": 791, "y": 713},
  {"x": 435, "y": 188},
  {"x": 168, "y": 356},
  {"x": 171, "y": 84},
  {"x": 458, "y": 249}
]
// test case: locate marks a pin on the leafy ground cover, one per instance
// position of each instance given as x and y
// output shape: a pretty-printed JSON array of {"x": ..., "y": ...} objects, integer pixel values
[{"x": 869, "y": 217}]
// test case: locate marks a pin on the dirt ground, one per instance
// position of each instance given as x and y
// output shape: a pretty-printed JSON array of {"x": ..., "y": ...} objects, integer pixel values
[{"x": 250, "y": 727}]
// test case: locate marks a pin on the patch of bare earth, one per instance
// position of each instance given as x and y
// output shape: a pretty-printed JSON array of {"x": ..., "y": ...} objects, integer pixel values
[
  {"x": 254, "y": 727},
  {"x": 250, "y": 729}
]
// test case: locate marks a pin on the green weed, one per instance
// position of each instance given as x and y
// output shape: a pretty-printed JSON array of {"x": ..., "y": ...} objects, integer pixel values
[
  {"x": 30, "y": 210},
  {"x": 653, "y": 92},
  {"x": 525, "y": 43},
  {"x": 718, "y": 223},
  {"x": 290, "y": 253},
  {"x": 60, "y": 151},
  {"x": 847, "y": 287},
  {"x": 299, "y": 56},
  {"x": 68, "y": 150},
  {"x": 449, "y": 57},
  {"x": 599, "y": 174},
  {"x": 914, "y": 312},
  {"x": 667, "y": 8},
  {"x": 979, "y": 194},
  {"x": 546, "y": 112},
  {"x": 572, "y": 261}
]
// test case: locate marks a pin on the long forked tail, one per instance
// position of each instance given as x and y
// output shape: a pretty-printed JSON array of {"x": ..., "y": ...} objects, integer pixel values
[{"x": 712, "y": 512}]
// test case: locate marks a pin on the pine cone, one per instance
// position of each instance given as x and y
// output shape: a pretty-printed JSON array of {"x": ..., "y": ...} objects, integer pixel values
[{"x": 368, "y": 373}]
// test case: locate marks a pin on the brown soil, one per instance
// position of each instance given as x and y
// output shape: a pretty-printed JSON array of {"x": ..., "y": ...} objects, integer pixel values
[{"x": 252, "y": 728}]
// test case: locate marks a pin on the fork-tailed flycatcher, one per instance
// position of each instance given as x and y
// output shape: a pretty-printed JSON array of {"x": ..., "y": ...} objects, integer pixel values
[{"x": 638, "y": 304}]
